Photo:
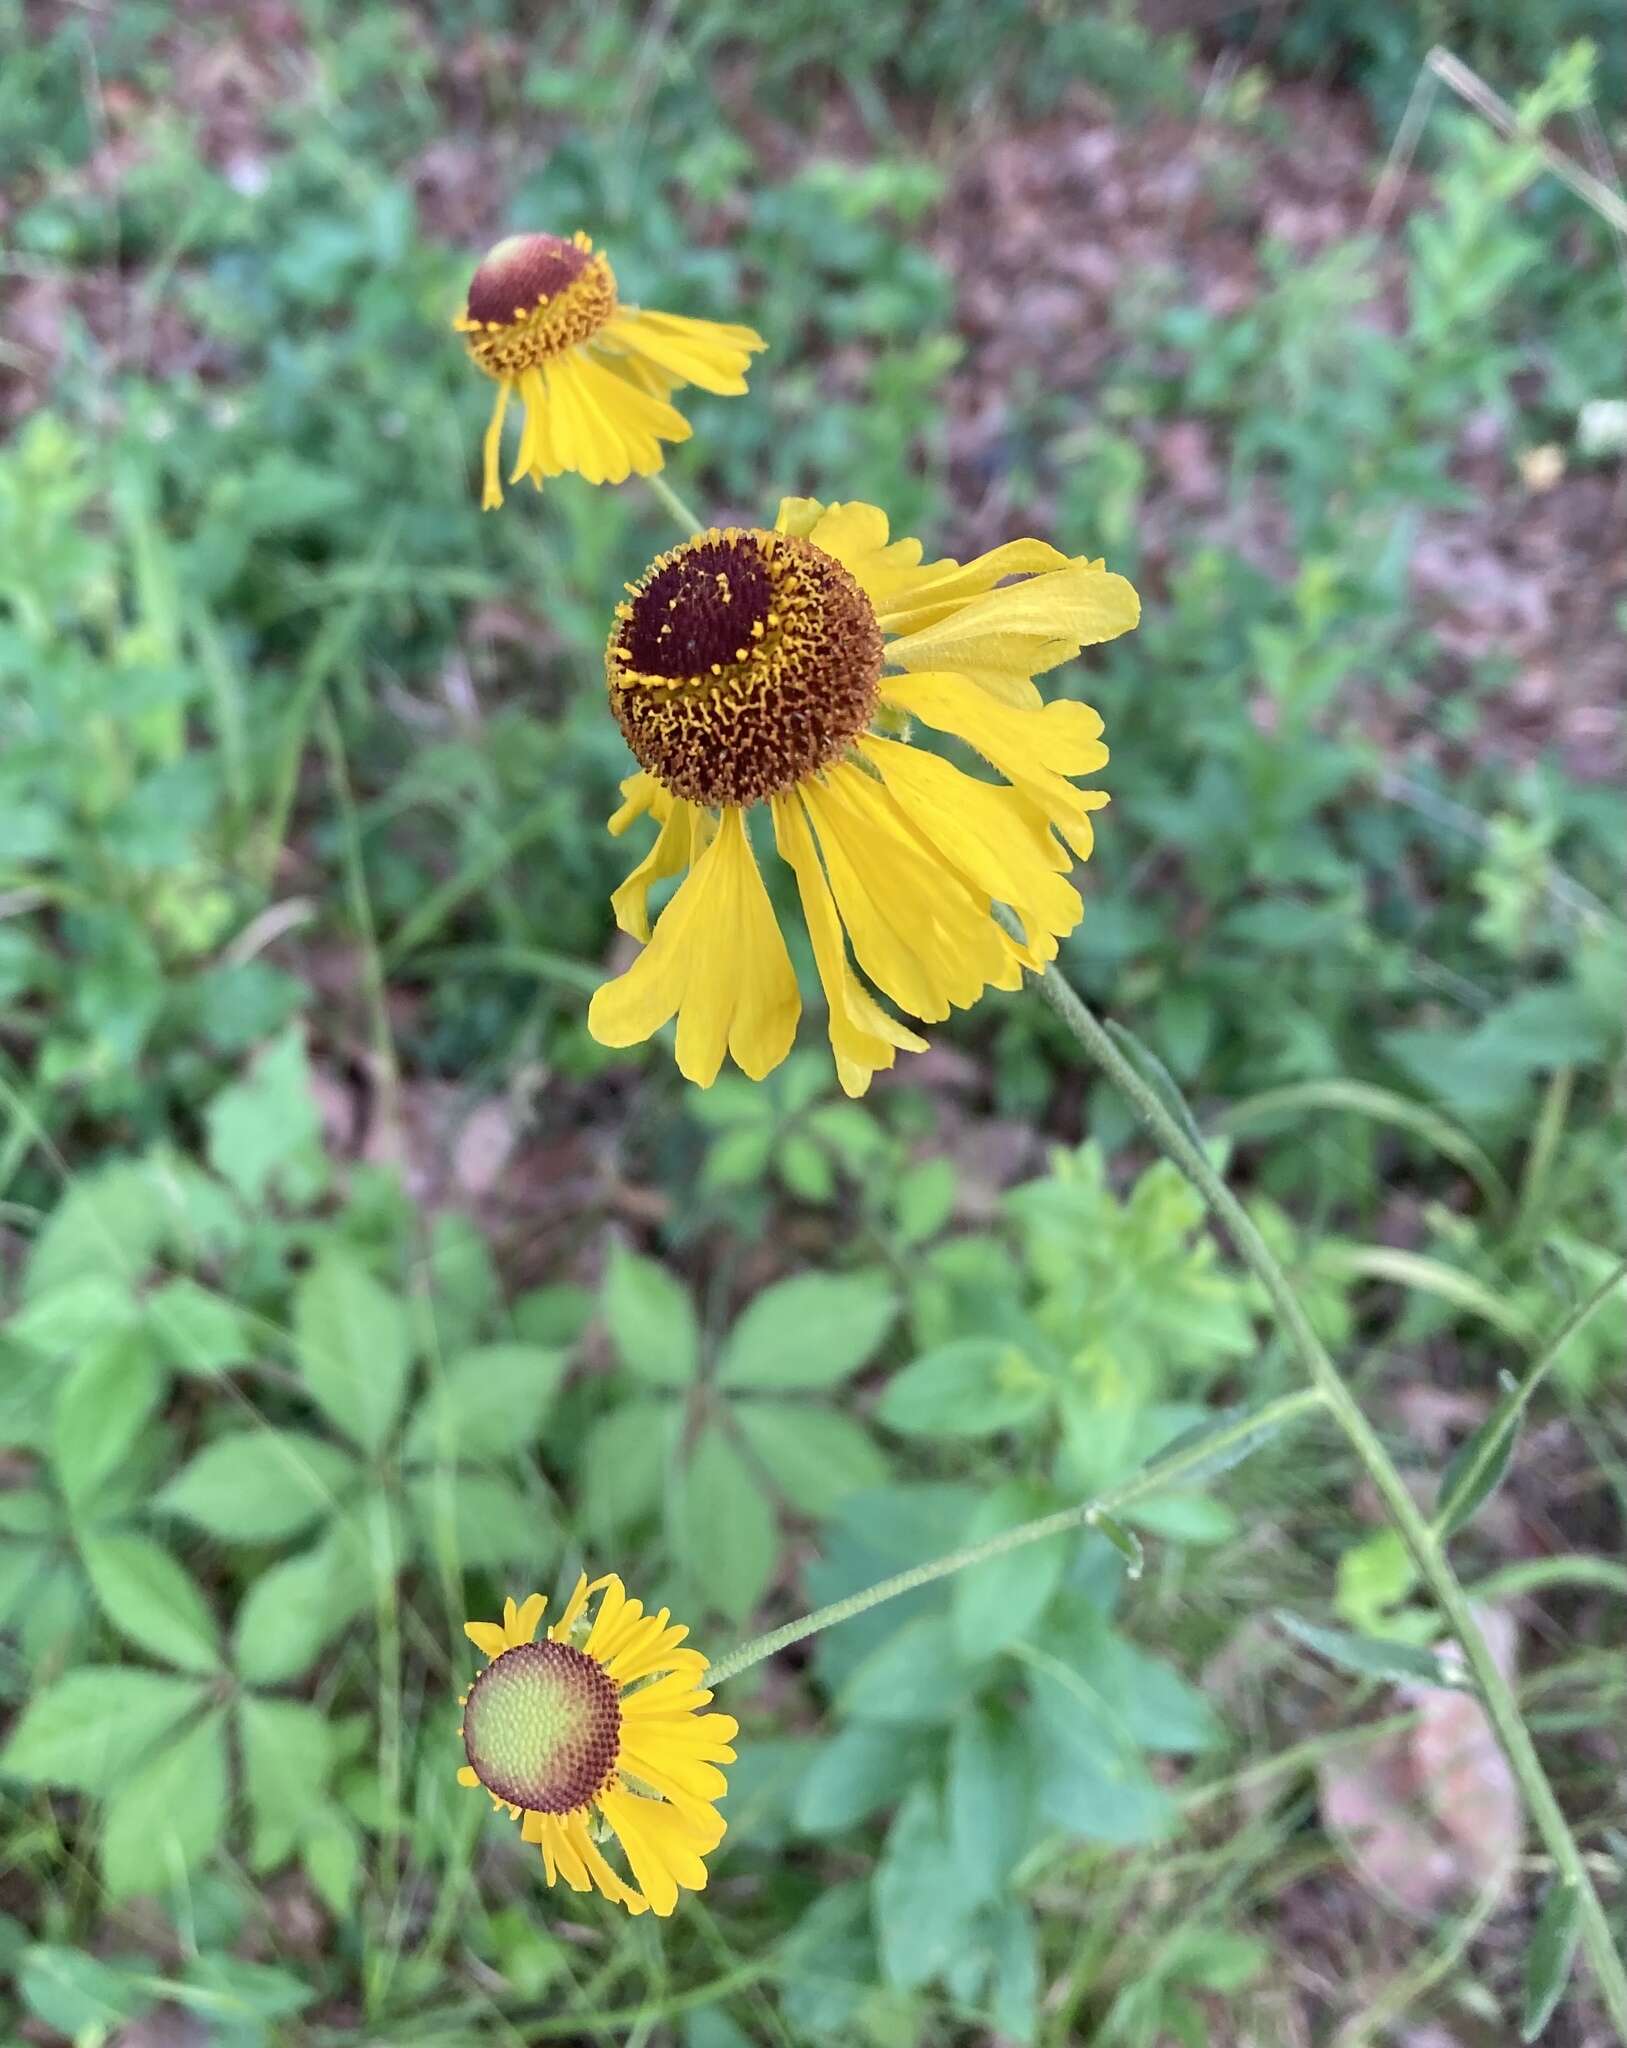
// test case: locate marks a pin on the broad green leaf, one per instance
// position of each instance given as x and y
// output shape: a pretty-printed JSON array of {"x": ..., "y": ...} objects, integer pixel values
[
  {"x": 487, "y": 1404},
  {"x": 196, "y": 1330},
  {"x": 293, "y": 1610},
  {"x": 815, "y": 1455},
  {"x": 988, "y": 1800},
  {"x": 1373, "y": 1656},
  {"x": 266, "y": 1131},
  {"x": 920, "y": 1915},
  {"x": 89, "y": 1730},
  {"x": 353, "y": 1346},
  {"x": 1478, "y": 1466},
  {"x": 149, "y": 1598},
  {"x": 624, "y": 1463},
  {"x": 651, "y": 1321},
  {"x": 1014, "y": 1995},
  {"x": 287, "y": 1751},
  {"x": 80, "y": 1997},
  {"x": 1551, "y": 1957},
  {"x": 332, "y": 1857},
  {"x": 478, "y": 1520},
  {"x": 853, "y": 1775},
  {"x": 997, "y": 1602},
  {"x": 729, "y": 1537},
  {"x": 259, "y": 1485},
  {"x": 107, "y": 1225},
  {"x": 972, "y": 1387},
  {"x": 1093, "y": 1779},
  {"x": 809, "y": 1332},
  {"x": 161, "y": 1824},
  {"x": 235, "y": 1992},
  {"x": 86, "y": 1310},
  {"x": 913, "y": 1677},
  {"x": 107, "y": 1398}
]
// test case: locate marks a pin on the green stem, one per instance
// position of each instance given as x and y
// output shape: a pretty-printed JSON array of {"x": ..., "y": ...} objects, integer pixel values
[
  {"x": 1420, "y": 1539},
  {"x": 689, "y": 521},
  {"x": 1154, "y": 1478}
]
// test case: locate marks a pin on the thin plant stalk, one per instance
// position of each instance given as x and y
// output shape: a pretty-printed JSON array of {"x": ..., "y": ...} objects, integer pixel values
[
  {"x": 689, "y": 521},
  {"x": 1425, "y": 1545},
  {"x": 1155, "y": 1478}
]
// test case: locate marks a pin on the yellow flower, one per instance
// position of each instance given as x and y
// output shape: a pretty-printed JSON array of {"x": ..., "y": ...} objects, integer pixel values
[
  {"x": 597, "y": 1731},
  {"x": 594, "y": 376},
  {"x": 751, "y": 667}
]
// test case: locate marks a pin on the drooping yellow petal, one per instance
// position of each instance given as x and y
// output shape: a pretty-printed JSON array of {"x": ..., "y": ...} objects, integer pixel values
[
  {"x": 491, "y": 495},
  {"x": 1006, "y": 637},
  {"x": 856, "y": 534},
  {"x": 709, "y": 353},
  {"x": 1035, "y": 749},
  {"x": 575, "y": 1832},
  {"x": 718, "y": 963},
  {"x": 864, "y": 1038},
  {"x": 673, "y": 851},
  {"x": 991, "y": 835},
  {"x": 940, "y": 589},
  {"x": 641, "y": 796},
  {"x": 659, "y": 1842},
  {"x": 919, "y": 931}
]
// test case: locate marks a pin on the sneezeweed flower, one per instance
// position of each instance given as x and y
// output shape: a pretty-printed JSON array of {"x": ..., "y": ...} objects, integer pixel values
[
  {"x": 597, "y": 1731},
  {"x": 594, "y": 376},
  {"x": 785, "y": 668}
]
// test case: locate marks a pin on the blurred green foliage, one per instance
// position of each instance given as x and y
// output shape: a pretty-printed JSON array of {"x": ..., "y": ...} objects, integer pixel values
[{"x": 272, "y": 691}]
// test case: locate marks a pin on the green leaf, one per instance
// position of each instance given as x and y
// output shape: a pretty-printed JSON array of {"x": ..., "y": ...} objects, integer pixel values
[
  {"x": 920, "y": 1915},
  {"x": 332, "y": 1857},
  {"x": 1551, "y": 1956},
  {"x": 1478, "y": 1466},
  {"x": 727, "y": 1531},
  {"x": 297, "y": 1606},
  {"x": 89, "y": 1730},
  {"x": 997, "y": 1602},
  {"x": 260, "y": 1485},
  {"x": 234, "y": 1992},
  {"x": 651, "y": 1321},
  {"x": 162, "y": 1823},
  {"x": 478, "y": 1520},
  {"x": 1373, "y": 1656},
  {"x": 287, "y": 1750},
  {"x": 912, "y": 1677},
  {"x": 265, "y": 1131},
  {"x": 1125, "y": 1541},
  {"x": 197, "y": 1330},
  {"x": 1158, "y": 1078},
  {"x": 353, "y": 1346},
  {"x": 107, "y": 1398},
  {"x": 815, "y": 1455},
  {"x": 988, "y": 1800},
  {"x": 148, "y": 1597},
  {"x": 809, "y": 1332},
  {"x": 78, "y": 1996},
  {"x": 486, "y": 1404},
  {"x": 1425, "y": 1275},
  {"x": 624, "y": 1464},
  {"x": 1093, "y": 1779},
  {"x": 1189, "y": 1445},
  {"x": 107, "y": 1224},
  {"x": 853, "y": 1775},
  {"x": 972, "y": 1387}
]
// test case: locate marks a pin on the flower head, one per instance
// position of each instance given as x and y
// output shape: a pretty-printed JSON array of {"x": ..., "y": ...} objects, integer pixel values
[
  {"x": 781, "y": 668},
  {"x": 596, "y": 1731},
  {"x": 595, "y": 377}
]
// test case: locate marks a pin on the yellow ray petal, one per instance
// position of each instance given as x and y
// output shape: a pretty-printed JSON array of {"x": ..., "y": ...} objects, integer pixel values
[
  {"x": 708, "y": 353},
  {"x": 718, "y": 963},
  {"x": 989, "y": 834},
  {"x": 1008, "y": 636},
  {"x": 672, "y": 852},
  {"x": 919, "y": 931},
  {"x": 575, "y": 1832},
  {"x": 523, "y": 1627},
  {"x": 572, "y": 1609},
  {"x": 659, "y": 1846},
  {"x": 863, "y": 1037},
  {"x": 491, "y": 494},
  {"x": 641, "y": 795},
  {"x": 489, "y": 1636},
  {"x": 1035, "y": 749}
]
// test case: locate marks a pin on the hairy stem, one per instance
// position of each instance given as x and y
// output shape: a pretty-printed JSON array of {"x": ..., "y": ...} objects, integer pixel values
[
  {"x": 1420, "y": 1538},
  {"x": 687, "y": 520},
  {"x": 1155, "y": 1478}
]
